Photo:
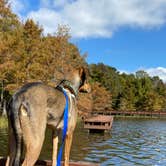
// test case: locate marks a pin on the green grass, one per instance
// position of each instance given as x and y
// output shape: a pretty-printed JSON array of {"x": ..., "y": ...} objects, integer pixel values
[{"x": 3, "y": 122}]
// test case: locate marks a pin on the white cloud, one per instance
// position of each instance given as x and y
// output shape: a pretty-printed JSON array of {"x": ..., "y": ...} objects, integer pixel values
[
  {"x": 17, "y": 6},
  {"x": 124, "y": 71},
  {"x": 60, "y": 3},
  {"x": 47, "y": 18},
  {"x": 94, "y": 18},
  {"x": 159, "y": 71},
  {"x": 54, "y": 3}
]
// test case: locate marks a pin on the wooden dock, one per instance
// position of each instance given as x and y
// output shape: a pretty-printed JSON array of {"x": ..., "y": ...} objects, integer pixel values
[
  {"x": 98, "y": 123},
  {"x": 134, "y": 113},
  {"x": 48, "y": 163}
]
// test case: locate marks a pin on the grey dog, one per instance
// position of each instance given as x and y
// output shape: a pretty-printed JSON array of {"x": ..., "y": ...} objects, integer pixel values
[{"x": 36, "y": 106}]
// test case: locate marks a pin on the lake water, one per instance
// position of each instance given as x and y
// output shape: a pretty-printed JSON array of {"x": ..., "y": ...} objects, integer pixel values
[{"x": 130, "y": 142}]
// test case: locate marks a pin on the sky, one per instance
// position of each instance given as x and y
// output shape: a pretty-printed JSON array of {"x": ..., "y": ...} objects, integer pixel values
[{"x": 129, "y": 35}]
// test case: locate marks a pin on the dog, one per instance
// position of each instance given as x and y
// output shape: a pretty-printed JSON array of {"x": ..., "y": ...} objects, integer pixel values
[{"x": 36, "y": 106}]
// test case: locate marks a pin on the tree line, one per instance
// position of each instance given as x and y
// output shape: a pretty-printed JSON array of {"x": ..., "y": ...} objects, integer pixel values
[
  {"x": 131, "y": 92},
  {"x": 27, "y": 55}
]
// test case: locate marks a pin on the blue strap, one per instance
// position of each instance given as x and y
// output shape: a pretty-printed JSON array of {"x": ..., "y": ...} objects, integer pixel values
[{"x": 64, "y": 132}]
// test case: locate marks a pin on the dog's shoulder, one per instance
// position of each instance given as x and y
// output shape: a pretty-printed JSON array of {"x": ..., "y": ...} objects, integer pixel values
[{"x": 37, "y": 90}]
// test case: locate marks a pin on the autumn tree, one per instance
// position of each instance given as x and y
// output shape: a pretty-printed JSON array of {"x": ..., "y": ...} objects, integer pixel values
[
  {"x": 27, "y": 55},
  {"x": 9, "y": 40},
  {"x": 101, "y": 98}
]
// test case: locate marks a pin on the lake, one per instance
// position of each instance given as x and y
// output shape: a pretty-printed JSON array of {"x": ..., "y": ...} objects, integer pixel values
[{"x": 131, "y": 142}]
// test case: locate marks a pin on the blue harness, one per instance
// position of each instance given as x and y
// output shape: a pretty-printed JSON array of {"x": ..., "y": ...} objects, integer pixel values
[{"x": 65, "y": 126}]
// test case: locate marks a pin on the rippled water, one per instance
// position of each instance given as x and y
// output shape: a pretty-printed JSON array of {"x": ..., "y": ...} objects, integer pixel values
[{"x": 130, "y": 142}]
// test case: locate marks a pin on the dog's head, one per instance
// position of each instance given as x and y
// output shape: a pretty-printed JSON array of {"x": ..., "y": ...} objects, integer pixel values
[
  {"x": 79, "y": 81},
  {"x": 84, "y": 85}
]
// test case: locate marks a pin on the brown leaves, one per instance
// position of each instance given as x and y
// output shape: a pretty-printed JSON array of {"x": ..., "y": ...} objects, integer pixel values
[
  {"x": 102, "y": 99},
  {"x": 26, "y": 55}
]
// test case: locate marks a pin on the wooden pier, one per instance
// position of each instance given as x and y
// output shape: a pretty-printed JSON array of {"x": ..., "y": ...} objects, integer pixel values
[
  {"x": 48, "y": 163},
  {"x": 98, "y": 123},
  {"x": 133, "y": 113}
]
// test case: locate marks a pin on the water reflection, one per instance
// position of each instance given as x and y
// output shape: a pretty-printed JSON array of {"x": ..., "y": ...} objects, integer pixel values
[{"x": 131, "y": 142}]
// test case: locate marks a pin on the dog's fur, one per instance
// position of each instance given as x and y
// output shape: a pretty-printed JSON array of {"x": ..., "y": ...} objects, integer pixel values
[{"x": 36, "y": 106}]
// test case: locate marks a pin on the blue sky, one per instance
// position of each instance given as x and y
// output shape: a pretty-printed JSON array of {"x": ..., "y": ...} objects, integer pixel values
[
  {"x": 129, "y": 35},
  {"x": 128, "y": 49}
]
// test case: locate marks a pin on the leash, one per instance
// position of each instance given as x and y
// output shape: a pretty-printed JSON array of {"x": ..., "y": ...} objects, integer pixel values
[{"x": 65, "y": 126}]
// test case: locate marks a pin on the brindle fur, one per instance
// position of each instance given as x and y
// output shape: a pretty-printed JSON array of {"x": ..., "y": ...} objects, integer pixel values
[{"x": 34, "y": 107}]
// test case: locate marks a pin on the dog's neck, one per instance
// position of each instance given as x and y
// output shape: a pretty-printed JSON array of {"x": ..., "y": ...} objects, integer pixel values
[{"x": 68, "y": 85}]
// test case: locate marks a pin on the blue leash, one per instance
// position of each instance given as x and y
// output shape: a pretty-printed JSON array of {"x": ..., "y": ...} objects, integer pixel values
[{"x": 65, "y": 126}]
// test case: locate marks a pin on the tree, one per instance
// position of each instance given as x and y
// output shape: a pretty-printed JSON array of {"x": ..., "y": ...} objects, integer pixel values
[
  {"x": 26, "y": 55},
  {"x": 101, "y": 98}
]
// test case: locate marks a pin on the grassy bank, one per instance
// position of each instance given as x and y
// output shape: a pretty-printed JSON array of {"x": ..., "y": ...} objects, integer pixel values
[{"x": 3, "y": 122}]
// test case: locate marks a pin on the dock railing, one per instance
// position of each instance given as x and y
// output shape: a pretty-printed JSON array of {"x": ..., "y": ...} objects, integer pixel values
[{"x": 133, "y": 113}]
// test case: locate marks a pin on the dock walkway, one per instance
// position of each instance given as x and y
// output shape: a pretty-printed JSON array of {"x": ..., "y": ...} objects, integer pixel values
[{"x": 133, "y": 113}]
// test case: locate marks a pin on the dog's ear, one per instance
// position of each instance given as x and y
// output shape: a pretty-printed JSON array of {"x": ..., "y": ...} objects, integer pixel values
[
  {"x": 84, "y": 86},
  {"x": 82, "y": 74}
]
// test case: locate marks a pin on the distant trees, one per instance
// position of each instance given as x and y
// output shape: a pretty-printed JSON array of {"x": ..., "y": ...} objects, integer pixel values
[
  {"x": 138, "y": 92},
  {"x": 101, "y": 98}
]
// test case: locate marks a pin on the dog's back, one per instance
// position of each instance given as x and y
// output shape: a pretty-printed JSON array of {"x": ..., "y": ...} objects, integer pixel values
[
  {"x": 34, "y": 107},
  {"x": 28, "y": 114}
]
